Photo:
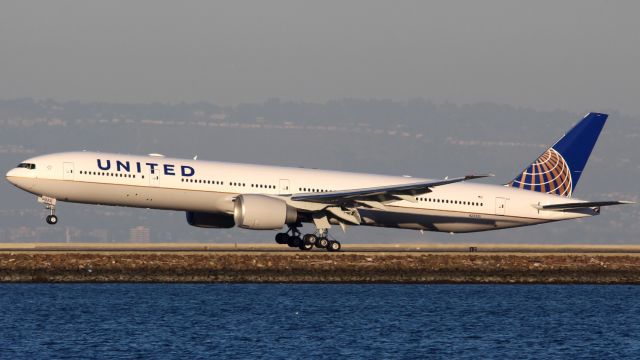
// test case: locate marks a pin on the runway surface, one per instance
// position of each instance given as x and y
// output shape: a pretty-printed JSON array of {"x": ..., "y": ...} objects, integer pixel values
[{"x": 347, "y": 248}]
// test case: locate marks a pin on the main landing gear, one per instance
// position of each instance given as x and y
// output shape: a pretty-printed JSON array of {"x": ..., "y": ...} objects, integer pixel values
[
  {"x": 319, "y": 239},
  {"x": 49, "y": 204}
]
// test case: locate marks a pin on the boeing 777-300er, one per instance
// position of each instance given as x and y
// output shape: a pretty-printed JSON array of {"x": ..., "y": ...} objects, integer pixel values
[{"x": 223, "y": 195}]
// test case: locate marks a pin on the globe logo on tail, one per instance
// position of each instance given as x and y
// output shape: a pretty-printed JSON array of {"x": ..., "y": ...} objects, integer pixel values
[{"x": 549, "y": 174}]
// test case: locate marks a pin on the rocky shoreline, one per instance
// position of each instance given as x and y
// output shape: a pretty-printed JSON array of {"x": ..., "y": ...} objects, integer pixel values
[{"x": 320, "y": 267}]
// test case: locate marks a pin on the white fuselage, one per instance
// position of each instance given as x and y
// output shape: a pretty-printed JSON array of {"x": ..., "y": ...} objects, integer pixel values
[{"x": 204, "y": 186}]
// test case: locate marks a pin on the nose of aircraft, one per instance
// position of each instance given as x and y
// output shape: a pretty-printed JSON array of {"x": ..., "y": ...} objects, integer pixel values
[
  {"x": 11, "y": 176},
  {"x": 21, "y": 178}
]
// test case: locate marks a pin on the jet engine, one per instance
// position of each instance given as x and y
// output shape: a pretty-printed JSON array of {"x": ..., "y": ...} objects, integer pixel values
[
  {"x": 259, "y": 212},
  {"x": 209, "y": 220}
]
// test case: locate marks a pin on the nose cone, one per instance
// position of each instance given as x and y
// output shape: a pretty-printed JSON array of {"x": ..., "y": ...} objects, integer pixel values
[
  {"x": 21, "y": 178},
  {"x": 11, "y": 176}
]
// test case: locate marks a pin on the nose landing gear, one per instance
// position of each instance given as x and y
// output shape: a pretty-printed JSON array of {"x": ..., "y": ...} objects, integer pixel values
[{"x": 49, "y": 204}]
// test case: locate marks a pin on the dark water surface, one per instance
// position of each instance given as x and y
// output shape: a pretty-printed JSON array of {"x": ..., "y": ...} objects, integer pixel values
[{"x": 318, "y": 321}]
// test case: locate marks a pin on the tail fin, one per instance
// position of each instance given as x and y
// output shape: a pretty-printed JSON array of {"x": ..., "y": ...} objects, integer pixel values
[{"x": 558, "y": 169}]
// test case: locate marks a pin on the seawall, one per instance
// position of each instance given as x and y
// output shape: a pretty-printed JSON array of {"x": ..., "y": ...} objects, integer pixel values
[{"x": 319, "y": 267}]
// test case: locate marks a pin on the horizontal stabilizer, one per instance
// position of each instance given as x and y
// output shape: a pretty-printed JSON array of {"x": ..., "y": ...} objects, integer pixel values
[{"x": 583, "y": 205}]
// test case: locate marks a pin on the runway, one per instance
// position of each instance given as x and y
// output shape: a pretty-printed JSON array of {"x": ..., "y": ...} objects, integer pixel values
[{"x": 347, "y": 248}]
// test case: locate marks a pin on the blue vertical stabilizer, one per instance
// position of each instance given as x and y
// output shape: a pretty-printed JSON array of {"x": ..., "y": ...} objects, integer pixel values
[{"x": 558, "y": 169}]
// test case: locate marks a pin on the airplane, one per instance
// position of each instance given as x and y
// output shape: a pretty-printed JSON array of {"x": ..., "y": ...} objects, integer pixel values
[{"x": 259, "y": 197}]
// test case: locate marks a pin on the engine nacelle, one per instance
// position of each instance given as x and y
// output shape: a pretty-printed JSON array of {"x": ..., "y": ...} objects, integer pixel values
[
  {"x": 209, "y": 220},
  {"x": 259, "y": 212}
]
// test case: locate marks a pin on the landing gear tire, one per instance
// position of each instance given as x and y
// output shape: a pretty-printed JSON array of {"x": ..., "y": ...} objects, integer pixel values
[
  {"x": 310, "y": 239},
  {"x": 322, "y": 242},
  {"x": 294, "y": 241},
  {"x": 282, "y": 238},
  {"x": 334, "y": 246},
  {"x": 52, "y": 219},
  {"x": 305, "y": 247}
]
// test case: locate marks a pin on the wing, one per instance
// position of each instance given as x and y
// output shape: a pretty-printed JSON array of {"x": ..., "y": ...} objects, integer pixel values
[
  {"x": 380, "y": 194},
  {"x": 582, "y": 205}
]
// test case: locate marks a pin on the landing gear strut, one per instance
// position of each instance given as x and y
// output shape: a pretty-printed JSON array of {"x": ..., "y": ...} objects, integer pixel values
[
  {"x": 318, "y": 239},
  {"x": 49, "y": 204}
]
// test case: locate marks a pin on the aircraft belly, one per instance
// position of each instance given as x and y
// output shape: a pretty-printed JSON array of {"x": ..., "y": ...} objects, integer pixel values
[
  {"x": 439, "y": 220},
  {"x": 135, "y": 196}
]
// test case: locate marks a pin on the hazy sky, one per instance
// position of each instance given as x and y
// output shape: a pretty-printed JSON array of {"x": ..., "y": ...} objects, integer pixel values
[{"x": 573, "y": 55}]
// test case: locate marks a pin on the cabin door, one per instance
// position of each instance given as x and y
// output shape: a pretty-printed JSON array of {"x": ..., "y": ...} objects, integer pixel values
[
  {"x": 501, "y": 205},
  {"x": 68, "y": 171},
  {"x": 284, "y": 187}
]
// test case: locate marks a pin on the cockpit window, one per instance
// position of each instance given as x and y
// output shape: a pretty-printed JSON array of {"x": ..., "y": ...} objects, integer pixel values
[{"x": 27, "y": 166}]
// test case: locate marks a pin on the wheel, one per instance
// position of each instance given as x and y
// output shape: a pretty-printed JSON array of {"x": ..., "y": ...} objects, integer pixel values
[
  {"x": 294, "y": 241},
  {"x": 52, "y": 219},
  {"x": 310, "y": 239},
  {"x": 282, "y": 238},
  {"x": 304, "y": 246},
  {"x": 322, "y": 242},
  {"x": 334, "y": 246}
]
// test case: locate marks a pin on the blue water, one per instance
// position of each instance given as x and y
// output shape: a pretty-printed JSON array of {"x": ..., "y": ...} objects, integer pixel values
[{"x": 318, "y": 321}]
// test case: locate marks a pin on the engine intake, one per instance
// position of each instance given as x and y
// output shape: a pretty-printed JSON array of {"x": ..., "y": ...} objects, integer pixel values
[
  {"x": 209, "y": 220},
  {"x": 259, "y": 212}
]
